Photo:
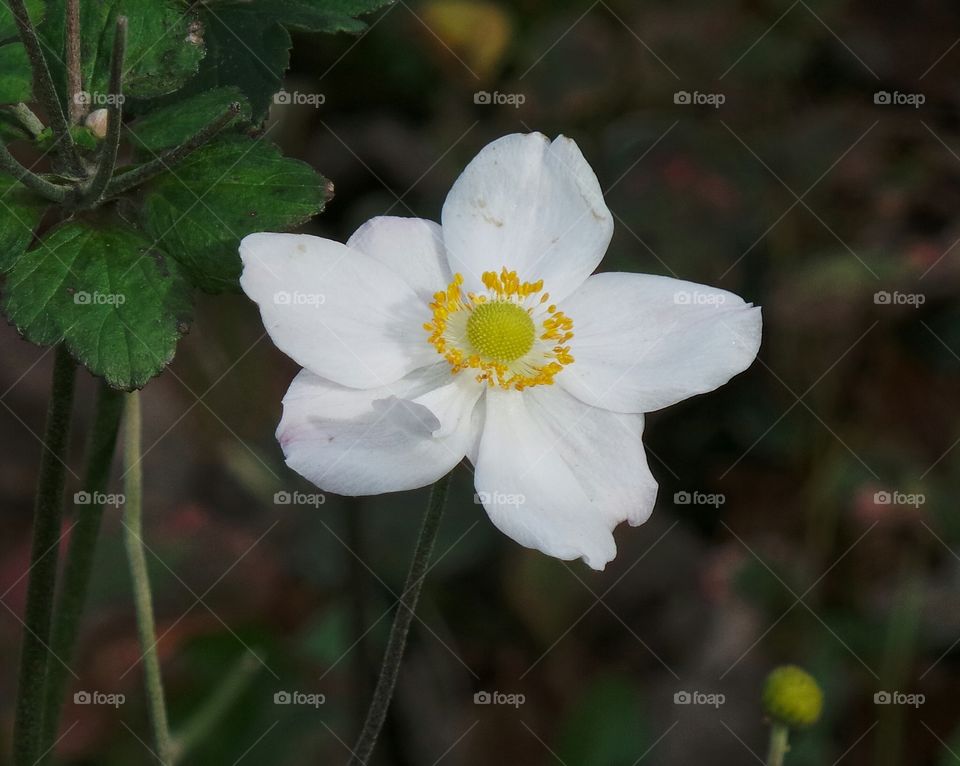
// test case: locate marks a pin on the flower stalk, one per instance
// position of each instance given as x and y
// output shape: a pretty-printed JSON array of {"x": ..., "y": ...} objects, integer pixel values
[
  {"x": 143, "y": 599},
  {"x": 396, "y": 642},
  {"x": 779, "y": 744},
  {"x": 35, "y": 652},
  {"x": 43, "y": 87},
  {"x": 111, "y": 145},
  {"x": 78, "y": 567}
]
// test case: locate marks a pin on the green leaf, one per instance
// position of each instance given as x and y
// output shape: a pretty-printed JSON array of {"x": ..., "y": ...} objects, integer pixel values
[
  {"x": 606, "y": 727},
  {"x": 119, "y": 304},
  {"x": 326, "y": 15},
  {"x": 8, "y": 27},
  {"x": 20, "y": 212},
  {"x": 247, "y": 50},
  {"x": 248, "y": 45},
  {"x": 164, "y": 45},
  {"x": 173, "y": 124},
  {"x": 15, "y": 79},
  {"x": 200, "y": 210}
]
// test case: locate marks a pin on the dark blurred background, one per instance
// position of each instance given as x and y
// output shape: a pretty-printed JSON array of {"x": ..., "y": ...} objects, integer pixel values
[{"x": 824, "y": 187}]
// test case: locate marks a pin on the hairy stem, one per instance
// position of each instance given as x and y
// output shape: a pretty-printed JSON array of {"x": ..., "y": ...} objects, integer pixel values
[
  {"x": 779, "y": 744},
  {"x": 133, "y": 178},
  {"x": 27, "y": 119},
  {"x": 75, "y": 105},
  {"x": 80, "y": 555},
  {"x": 32, "y": 181},
  {"x": 396, "y": 643},
  {"x": 143, "y": 599},
  {"x": 35, "y": 654},
  {"x": 43, "y": 87},
  {"x": 111, "y": 145}
]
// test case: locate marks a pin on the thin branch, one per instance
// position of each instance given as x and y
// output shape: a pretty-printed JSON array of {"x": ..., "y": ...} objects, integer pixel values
[
  {"x": 133, "y": 178},
  {"x": 142, "y": 596},
  {"x": 111, "y": 144},
  {"x": 35, "y": 654},
  {"x": 397, "y": 640},
  {"x": 43, "y": 86},
  {"x": 77, "y": 106},
  {"x": 27, "y": 119},
  {"x": 78, "y": 566},
  {"x": 41, "y": 186}
]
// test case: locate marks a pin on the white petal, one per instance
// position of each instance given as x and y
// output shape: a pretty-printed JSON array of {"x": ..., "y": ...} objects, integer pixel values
[
  {"x": 642, "y": 342},
  {"x": 531, "y": 206},
  {"x": 334, "y": 310},
  {"x": 350, "y": 442},
  {"x": 412, "y": 248},
  {"x": 558, "y": 475},
  {"x": 440, "y": 411}
]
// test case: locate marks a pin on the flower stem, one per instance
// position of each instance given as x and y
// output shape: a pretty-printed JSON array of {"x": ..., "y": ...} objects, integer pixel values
[
  {"x": 76, "y": 107},
  {"x": 111, "y": 144},
  {"x": 164, "y": 162},
  {"x": 143, "y": 600},
  {"x": 27, "y": 119},
  {"x": 382, "y": 694},
  {"x": 43, "y": 86},
  {"x": 35, "y": 655},
  {"x": 32, "y": 181},
  {"x": 78, "y": 566},
  {"x": 779, "y": 744}
]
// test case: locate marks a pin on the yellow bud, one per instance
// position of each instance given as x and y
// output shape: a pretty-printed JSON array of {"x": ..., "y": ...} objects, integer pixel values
[{"x": 792, "y": 697}]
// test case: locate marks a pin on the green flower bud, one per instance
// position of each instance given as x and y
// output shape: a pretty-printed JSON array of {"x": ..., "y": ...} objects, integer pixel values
[{"x": 792, "y": 697}]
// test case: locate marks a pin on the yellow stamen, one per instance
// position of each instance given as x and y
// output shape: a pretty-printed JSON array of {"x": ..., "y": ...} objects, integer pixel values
[{"x": 498, "y": 334}]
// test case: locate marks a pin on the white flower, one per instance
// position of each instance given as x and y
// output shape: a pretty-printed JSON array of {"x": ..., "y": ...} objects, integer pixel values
[{"x": 487, "y": 337}]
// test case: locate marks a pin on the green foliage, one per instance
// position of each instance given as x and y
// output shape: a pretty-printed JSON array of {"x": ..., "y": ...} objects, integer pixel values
[
  {"x": 15, "y": 82},
  {"x": 163, "y": 47},
  {"x": 8, "y": 28},
  {"x": 119, "y": 304},
  {"x": 606, "y": 726},
  {"x": 118, "y": 294},
  {"x": 20, "y": 213},
  {"x": 248, "y": 45},
  {"x": 174, "y": 123},
  {"x": 221, "y": 193}
]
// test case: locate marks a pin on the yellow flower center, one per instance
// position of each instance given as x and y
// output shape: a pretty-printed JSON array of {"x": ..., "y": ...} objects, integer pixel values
[
  {"x": 501, "y": 331},
  {"x": 510, "y": 334}
]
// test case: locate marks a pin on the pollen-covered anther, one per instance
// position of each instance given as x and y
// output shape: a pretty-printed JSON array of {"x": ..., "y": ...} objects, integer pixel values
[{"x": 509, "y": 334}]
